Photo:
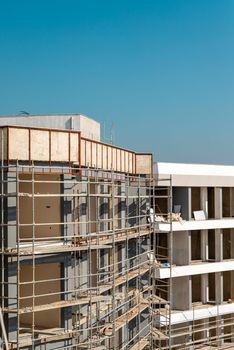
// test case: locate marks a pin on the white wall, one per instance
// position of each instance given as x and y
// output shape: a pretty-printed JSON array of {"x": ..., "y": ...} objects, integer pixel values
[
  {"x": 89, "y": 127},
  {"x": 195, "y": 174}
]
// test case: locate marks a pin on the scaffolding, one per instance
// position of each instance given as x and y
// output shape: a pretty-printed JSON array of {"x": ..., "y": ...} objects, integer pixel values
[
  {"x": 79, "y": 250},
  {"x": 162, "y": 289},
  {"x": 75, "y": 247}
]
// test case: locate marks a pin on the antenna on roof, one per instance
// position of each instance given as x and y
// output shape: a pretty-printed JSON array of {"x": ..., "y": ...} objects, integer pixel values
[
  {"x": 108, "y": 135},
  {"x": 24, "y": 112},
  {"x": 112, "y": 134}
]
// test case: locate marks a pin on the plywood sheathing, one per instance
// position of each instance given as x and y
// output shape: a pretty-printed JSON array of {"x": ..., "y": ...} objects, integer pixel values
[
  {"x": 47, "y": 208},
  {"x": 51, "y": 145}
]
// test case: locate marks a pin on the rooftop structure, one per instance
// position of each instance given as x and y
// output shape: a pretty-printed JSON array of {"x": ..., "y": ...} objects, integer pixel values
[{"x": 89, "y": 127}]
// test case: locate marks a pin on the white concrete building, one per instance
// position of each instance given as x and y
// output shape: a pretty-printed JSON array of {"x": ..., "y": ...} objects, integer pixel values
[{"x": 194, "y": 256}]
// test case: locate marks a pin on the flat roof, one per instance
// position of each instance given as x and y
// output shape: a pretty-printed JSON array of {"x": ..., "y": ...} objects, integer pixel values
[
  {"x": 193, "y": 169},
  {"x": 46, "y": 115},
  {"x": 194, "y": 175}
]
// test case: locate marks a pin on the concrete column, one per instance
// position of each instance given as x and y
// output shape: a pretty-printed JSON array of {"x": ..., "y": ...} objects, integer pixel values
[
  {"x": 204, "y": 246},
  {"x": 182, "y": 293},
  {"x": 204, "y": 277},
  {"x": 204, "y": 200},
  {"x": 218, "y": 232},
  {"x": 218, "y": 255},
  {"x": 205, "y": 288},
  {"x": 219, "y": 287},
  {"x": 204, "y": 257},
  {"x": 182, "y": 286},
  {"x": 182, "y": 248},
  {"x": 218, "y": 202},
  {"x": 218, "y": 246}
]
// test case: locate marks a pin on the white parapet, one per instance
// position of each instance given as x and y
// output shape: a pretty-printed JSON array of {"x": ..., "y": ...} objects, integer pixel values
[
  {"x": 197, "y": 313},
  {"x": 196, "y": 225},
  {"x": 195, "y": 174},
  {"x": 194, "y": 269}
]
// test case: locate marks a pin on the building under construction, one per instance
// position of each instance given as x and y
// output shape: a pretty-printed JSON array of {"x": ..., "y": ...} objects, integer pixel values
[{"x": 102, "y": 250}]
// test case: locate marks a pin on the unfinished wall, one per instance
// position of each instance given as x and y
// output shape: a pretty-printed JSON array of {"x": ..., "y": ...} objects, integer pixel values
[
  {"x": 144, "y": 164},
  {"x": 181, "y": 293},
  {"x": 47, "y": 209},
  {"x": 40, "y": 144},
  {"x": 43, "y": 272},
  {"x": 182, "y": 248},
  {"x": 107, "y": 157}
]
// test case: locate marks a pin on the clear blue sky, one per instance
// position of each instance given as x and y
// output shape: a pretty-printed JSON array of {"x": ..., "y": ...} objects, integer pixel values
[{"x": 161, "y": 70}]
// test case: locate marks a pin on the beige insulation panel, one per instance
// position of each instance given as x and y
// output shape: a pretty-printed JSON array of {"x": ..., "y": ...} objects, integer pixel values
[
  {"x": 134, "y": 164},
  {"x": 59, "y": 146},
  {"x": 46, "y": 272},
  {"x": 104, "y": 155},
  {"x": 110, "y": 165},
  {"x": 18, "y": 144},
  {"x": 74, "y": 147},
  {"x": 118, "y": 160},
  {"x": 122, "y": 160},
  {"x": 144, "y": 164},
  {"x": 126, "y": 162},
  {"x": 47, "y": 209},
  {"x": 82, "y": 153},
  {"x": 114, "y": 157},
  {"x": 130, "y": 156},
  {"x": 99, "y": 155},
  {"x": 88, "y": 153},
  {"x": 94, "y": 155},
  {"x": 40, "y": 145}
]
